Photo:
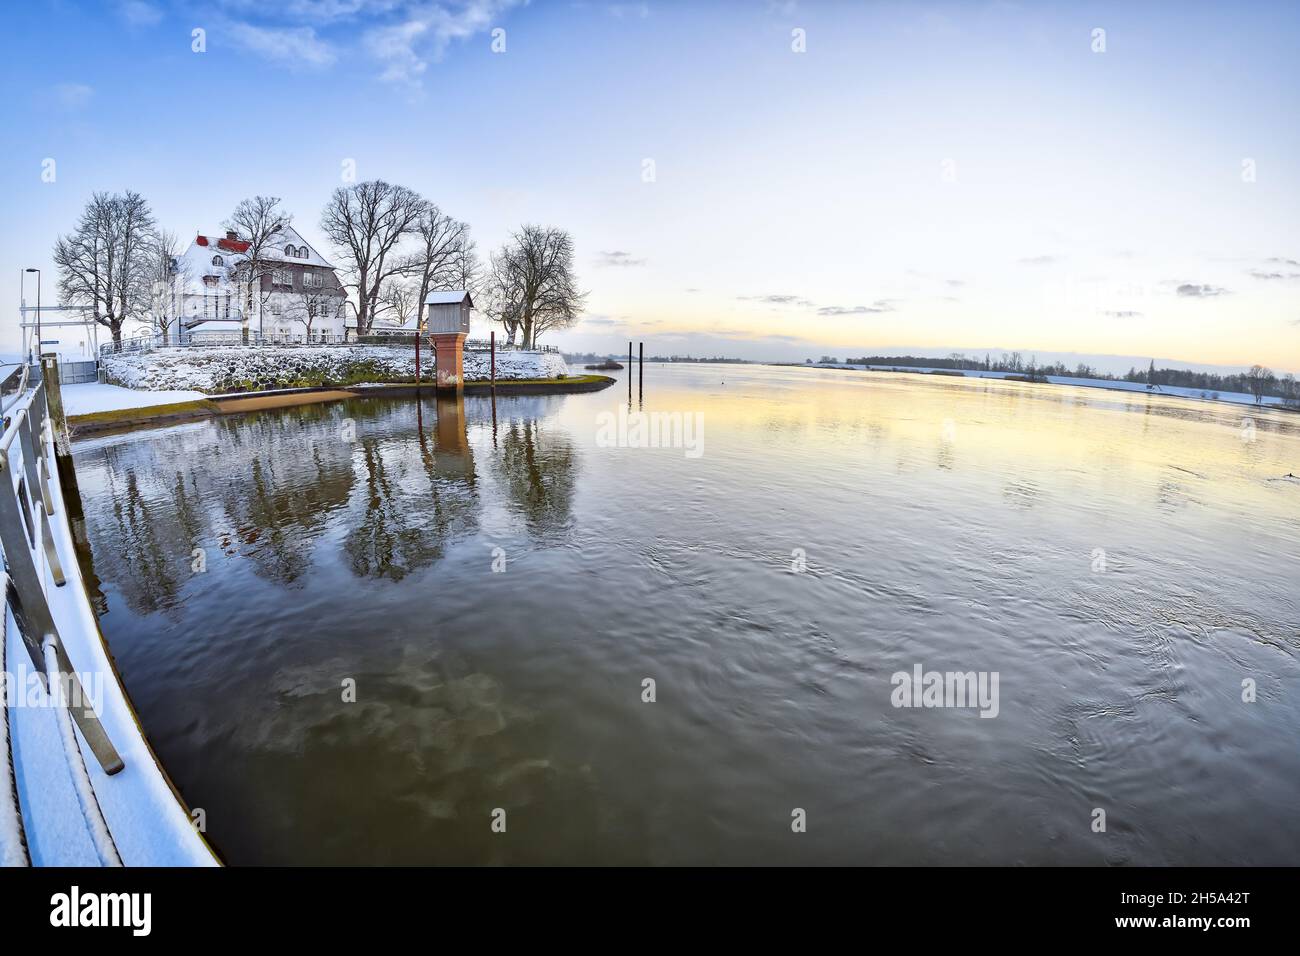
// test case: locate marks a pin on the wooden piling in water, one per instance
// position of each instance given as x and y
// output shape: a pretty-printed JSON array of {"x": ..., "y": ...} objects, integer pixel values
[{"x": 492, "y": 348}]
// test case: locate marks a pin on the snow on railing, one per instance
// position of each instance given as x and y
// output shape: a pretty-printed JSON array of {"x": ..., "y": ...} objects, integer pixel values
[
  {"x": 90, "y": 790},
  {"x": 31, "y": 557}
]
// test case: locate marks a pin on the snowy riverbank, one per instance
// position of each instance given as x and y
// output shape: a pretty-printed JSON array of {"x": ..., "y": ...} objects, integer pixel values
[
  {"x": 214, "y": 371},
  {"x": 1234, "y": 398},
  {"x": 90, "y": 397}
]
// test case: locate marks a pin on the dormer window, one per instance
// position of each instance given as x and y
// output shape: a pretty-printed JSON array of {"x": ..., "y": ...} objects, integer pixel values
[
  {"x": 217, "y": 260},
  {"x": 290, "y": 252}
]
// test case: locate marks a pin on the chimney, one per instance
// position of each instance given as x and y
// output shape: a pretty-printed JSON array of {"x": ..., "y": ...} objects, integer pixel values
[{"x": 231, "y": 234}]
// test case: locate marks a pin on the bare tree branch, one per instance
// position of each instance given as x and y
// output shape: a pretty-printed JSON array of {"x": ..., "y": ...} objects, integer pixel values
[{"x": 367, "y": 222}]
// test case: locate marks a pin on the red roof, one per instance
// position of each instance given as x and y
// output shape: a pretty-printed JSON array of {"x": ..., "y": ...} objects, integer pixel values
[{"x": 230, "y": 245}]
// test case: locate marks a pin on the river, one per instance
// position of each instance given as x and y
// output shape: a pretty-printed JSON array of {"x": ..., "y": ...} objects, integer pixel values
[{"x": 397, "y": 631}]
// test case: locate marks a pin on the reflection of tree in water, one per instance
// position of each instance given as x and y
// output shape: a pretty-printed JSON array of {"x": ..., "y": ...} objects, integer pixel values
[
  {"x": 419, "y": 498},
  {"x": 538, "y": 466},
  {"x": 293, "y": 471},
  {"x": 259, "y": 485},
  {"x": 147, "y": 544}
]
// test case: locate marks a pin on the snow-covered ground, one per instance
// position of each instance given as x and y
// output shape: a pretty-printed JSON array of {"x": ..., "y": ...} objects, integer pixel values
[
  {"x": 220, "y": 370},
  {"x": 94, "y": 397},
  {"x": 1236, "y": 398}
]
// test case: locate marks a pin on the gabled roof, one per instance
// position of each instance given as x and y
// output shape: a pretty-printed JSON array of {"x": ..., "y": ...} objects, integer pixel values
[
  {"x": 197, "y": 259},
  {"x": 447, "y": 298}
]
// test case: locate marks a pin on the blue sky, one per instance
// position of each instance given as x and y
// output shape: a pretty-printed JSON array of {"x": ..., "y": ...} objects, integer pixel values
[{"x": 925, "y": 175}]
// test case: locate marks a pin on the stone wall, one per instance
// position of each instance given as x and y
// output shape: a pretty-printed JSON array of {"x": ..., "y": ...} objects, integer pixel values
[{"x": 221, "y": 370}]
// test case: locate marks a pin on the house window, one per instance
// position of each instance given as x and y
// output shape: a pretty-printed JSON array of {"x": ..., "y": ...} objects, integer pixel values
[
  {"x": 216, "y": 260},
  {"x": 282, "y": 277}
]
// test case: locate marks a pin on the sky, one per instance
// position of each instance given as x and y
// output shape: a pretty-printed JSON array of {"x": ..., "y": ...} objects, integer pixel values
[{"x": 774, "y": 181}]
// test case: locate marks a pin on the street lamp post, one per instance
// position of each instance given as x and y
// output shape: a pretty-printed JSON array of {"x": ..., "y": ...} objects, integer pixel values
[{"x": 38, "y": 312}]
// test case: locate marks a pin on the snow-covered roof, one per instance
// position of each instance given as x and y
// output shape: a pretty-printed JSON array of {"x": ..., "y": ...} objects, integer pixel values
[
  {"x": 197, "y": 262},
  {"x": 447, "y": 298}
]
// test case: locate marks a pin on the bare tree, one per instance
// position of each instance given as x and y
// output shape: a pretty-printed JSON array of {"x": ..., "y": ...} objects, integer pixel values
[
  {"x": 107, "y": 263},
  {"x": 1290, "y": 391},
  {"x": 367, "y": 222},
  {"x": 170, "y": 283},
  {"x": 534, "y": 275},
  {"x": 1259, "y": 378},
  {"x": 259, "y": 222},
  {"x": 500, "y": 294},
  {"x": 312, "y": 303},
  {"x": 399, "y": 298},
  {"x": 444, "y": 257}
]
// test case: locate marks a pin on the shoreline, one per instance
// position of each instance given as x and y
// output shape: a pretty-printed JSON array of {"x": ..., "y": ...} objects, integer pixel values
[
  {"x": 236, "y": 403},
  {"x": 1058, "y": 380}
]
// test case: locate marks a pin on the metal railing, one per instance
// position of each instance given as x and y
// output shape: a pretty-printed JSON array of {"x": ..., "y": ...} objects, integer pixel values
[
  {"x": 31, "y": 557},
  {"x": 148, "y": 343}
]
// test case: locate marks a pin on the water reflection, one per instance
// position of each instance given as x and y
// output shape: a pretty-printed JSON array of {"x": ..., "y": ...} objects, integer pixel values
[
  {"x": 268, "y": 488},
  {"x": 537, "y": 464}
]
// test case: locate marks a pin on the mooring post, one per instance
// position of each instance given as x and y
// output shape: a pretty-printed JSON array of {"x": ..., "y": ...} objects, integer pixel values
[
  {"x": 492, "y": 347},
  {"x": 640, "y": 371},
  {"x": 417, "y": 354},
  {"x": 629, "y": 373}
]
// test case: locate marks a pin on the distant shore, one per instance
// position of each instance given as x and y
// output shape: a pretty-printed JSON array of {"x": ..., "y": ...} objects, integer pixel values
[{"x": 1172, "y": 391}]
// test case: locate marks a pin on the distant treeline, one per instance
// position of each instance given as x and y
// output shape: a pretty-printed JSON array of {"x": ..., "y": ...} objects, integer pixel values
[
  {"x": 1012, "y": 362},
  {"x": 593, "y": 357},
  {"x": 1258, "y": 381}
]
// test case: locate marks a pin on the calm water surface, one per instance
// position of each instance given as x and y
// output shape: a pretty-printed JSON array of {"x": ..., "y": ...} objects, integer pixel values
[{"x": 948, "y": 523}]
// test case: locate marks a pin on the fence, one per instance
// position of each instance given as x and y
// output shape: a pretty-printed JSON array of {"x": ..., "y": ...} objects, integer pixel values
[{"x": 74, "y": 373}]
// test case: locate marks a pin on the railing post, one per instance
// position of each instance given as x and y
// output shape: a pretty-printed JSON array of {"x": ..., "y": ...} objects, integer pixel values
[{"x": 58, "y": 424}]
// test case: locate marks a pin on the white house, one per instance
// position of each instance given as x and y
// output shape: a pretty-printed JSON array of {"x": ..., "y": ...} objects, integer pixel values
[{"x": 300, "y": 297}]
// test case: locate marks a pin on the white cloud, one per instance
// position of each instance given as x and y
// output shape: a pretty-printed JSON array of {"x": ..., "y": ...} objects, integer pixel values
[
  {"x": 294, "y": 46},
  {"x": 139, "y": 13},
  {"x": 406, "y": 48}
]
